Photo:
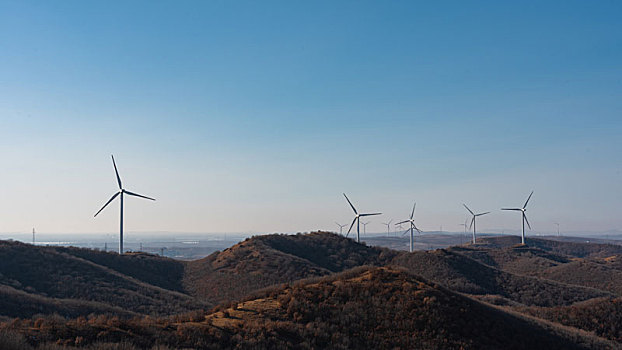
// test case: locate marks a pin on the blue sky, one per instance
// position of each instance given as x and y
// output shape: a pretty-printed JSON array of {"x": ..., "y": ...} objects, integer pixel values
[{"x": 256, "y": 116}]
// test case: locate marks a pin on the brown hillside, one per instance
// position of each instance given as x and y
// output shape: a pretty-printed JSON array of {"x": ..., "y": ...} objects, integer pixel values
[
  {"x": 50, "y": 274},
  {"x": 152, "y": 269},
  {"x": 452, "y": 269},
  {"x": 361, "y": 308},
  {"x": 262, "y": 261},
  {"x": 601, "y": 316}
]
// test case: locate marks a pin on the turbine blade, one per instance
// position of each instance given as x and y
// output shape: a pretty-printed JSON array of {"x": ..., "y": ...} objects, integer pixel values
[
  {"x": 401, "y": 222},
  {"x": 353, "y": 208},
  {"x": 525, "y": 206},
  {"x": 110, "y": 200},
  {"x": 416, "y": 228},
  {"x": 480, "y": 214},
  {"x": 472, "y": 221},
  {"x": 138, "y": 195},
  {"x": 413, "y": 212},
  {"x": 467, "y": 208},
  {"x": 370, "y": 214},
  {"x": 117, "y": 172},
  {"x": 527, "y": 221},
  {"x": 517, "y": 209},
  {"x": 405, "y": 232},
  {"x": 350, "y": 229}
]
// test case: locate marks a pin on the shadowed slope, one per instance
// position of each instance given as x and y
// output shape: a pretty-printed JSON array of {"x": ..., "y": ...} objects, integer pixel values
[
  {"x": 361, "y": 308},
  {"x": 601, "y": 316},
  {"x": 452, "y": 269},
  {"x": 51, "y": 275}
]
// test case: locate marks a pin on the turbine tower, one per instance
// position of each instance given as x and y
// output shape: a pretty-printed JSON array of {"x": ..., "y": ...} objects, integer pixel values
[
  {"x": 33, "y": 236},
  {"x": 357, "y": 220},
  {"x": 412, "y": 226},
  {"x": 341, "y": 227},
  {"x": 557, "y": 223},
  {"x": 121, "y": 192},
  {"x": 388, "y": 226},
  {"x": 473, "y": 219},
  {"x": 523, "y": 211}
]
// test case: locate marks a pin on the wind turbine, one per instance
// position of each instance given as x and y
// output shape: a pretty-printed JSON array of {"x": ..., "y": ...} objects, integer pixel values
[
  {"x": 121, "y": 192},
  {"x": 557, "y": 228},
  {"x": 365, "y": 227},
  {"x": 412, "y": 226},
  {"x": 341, "y": 227},
  {"x": 473, "y": 220},
  {"x": 388, "y": 226},
  {"x": 357, "y": 220},
  {"x": 465, "y": 229},
  {"x": 522, "y": 210}
]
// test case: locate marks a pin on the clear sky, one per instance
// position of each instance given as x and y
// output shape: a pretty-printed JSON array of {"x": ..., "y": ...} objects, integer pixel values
[{"x": 255, "y": 116}]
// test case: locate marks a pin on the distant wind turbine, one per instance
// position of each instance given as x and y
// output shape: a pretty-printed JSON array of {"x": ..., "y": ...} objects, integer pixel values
[
  {"x": 121, "y": 192},
  {"x": 523, "y": 211},
  {"x": 473, "y": 220},
  {"x": 412, "y": 227},
  {"x": 341, "y": 227},
  {"x": 33, "y": 236},
  {"x": 357, "y": 220},
  {"x": 388, "y": 226},
  {"x": 365, "y": 227},
  {"x": 557, "y": 228},
  {"x": 465, "y": 225}
]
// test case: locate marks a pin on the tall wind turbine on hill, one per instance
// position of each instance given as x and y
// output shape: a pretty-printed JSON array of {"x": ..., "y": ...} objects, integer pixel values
[
  {"x": 557, "y": 223},
  {"x": 357, "y": 220},
  {"x": 341, "y": 227},
  {"x": 473, "y": 220},
  {"x": 121, "y": 192},
  {"x": 388, "y": 226},
  {"x": 412, "y": 227},
  {"x": 523, "y": 211}
]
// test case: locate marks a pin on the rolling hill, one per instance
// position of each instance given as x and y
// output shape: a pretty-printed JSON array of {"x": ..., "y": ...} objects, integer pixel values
[
  {"x": 299, "y": 290},
  {"x": 366, "y": 307},
  {"x": 266, "y": 260},
  {"x": 60, "y": 280}
]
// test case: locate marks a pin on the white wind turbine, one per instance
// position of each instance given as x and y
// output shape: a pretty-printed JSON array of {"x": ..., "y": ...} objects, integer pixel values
[
  {"x": 412, "y": 227},
  {"x": 388, "y": 226},
  {"x": 523, "y": 211},
  {"x": 473, "y": 220},
  {"x": 341, "y": 227},
  {"x": 357, "y": 220},
  {"x": 121, "y": 192}
]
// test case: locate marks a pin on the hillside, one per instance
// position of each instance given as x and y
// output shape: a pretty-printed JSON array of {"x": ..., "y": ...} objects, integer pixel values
[
  {"x": 59, "y": 280},
  {"x": 601, "y": 316},
  {"x": 454, "y": 270},
  {"x": 266, "y": 260},
  {"x": 574, "y": 249},
  {"x": 360, "y": 308},
  {"x": 107, "y": 295}
]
